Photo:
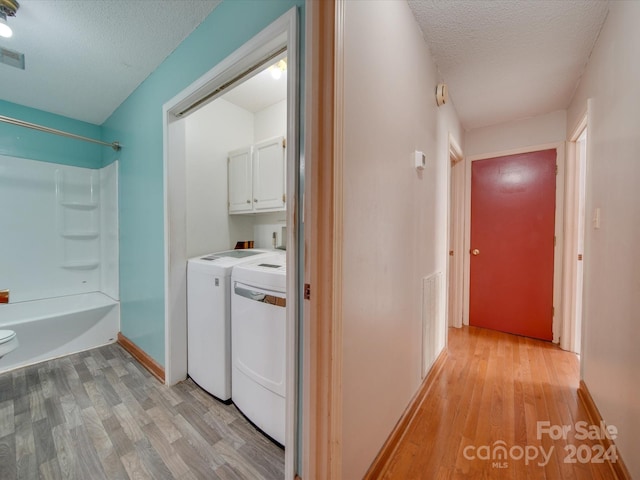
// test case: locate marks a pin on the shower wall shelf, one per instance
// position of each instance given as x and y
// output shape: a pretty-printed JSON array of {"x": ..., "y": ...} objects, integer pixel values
[
  {"x": 88, "y": 265},
  {"x": 81, "y": 234},
  {"x": 78, "y": 219},
  {"x": 80, "y": 205}
]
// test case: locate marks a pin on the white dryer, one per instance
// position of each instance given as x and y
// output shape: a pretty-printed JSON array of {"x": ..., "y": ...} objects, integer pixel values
[
  {"x": 258, "y": 325},
  {"x": 209, "y": 318}
]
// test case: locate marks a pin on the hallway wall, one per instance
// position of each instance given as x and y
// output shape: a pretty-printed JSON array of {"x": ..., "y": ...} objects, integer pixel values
[
  {"x": 539, "y": 130},
  {"x": 612, "y": 260},
  {"x": 395, "y": 218}
]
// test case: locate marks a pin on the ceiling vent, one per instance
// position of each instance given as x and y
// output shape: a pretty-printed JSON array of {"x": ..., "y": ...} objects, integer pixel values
[{"x": 12, "y": 58}]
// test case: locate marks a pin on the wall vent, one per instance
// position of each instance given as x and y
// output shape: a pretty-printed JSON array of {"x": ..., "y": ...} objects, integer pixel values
[
  {"x": 431, "y": 286},
  {"x": 12, "y": 58}
]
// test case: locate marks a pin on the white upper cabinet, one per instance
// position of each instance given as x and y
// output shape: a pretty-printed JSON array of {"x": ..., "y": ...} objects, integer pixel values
[
  {"x": 269, "y": 174},
  {"x": 257, "y": 177},
  {"x": 240, "y": 180}
]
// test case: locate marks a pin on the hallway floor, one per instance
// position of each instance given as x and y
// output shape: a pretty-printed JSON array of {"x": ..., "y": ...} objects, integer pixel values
[
  {"x": 99, "y": 415},
  {"x": 492, "y": 391}
]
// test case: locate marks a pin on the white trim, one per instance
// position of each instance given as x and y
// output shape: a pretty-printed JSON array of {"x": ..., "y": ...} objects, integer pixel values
[
  {"x": 588, "y": 208},
  {"x": 454, "y": 149},
  {"x": 336, "y": 392},
  {"x": 568, "y": 339},
  {"x": 283, "y": 32},
  {"x": 570, "y": 232},
  {"x": 455, "y": 267},
  {"x": 580, "y": 127},
  {"x": 293, "y": 277},
  {"x": 559, "y": 222},
  {"x": 175, "y": 253}
]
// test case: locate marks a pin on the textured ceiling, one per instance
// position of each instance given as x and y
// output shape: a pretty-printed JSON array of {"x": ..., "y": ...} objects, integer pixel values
[
  {"x": 509, "y": 59},
  {"x": 84, "y": 57}
]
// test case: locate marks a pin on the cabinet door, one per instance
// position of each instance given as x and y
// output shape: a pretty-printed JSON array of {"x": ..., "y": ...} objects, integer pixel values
[
  {"x": 269, "y": 175},
  {"x": 239, "y": 177}
]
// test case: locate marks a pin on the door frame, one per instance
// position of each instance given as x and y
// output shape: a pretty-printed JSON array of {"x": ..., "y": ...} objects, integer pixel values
[
  {"x": 455, "y": 265},
  {"x": 559, "y": 225},
  {"x": 324, "y": 163},
  {"x": 283, "y": 32},
  {"x": 571, "y": 337}
]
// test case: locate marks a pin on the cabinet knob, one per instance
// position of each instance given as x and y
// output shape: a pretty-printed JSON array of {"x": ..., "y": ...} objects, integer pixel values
[
  {"x": 255, "y": 200},
  {"x": 248, "y": 201}
]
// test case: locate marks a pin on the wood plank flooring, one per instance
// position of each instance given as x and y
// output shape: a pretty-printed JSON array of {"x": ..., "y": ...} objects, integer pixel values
[
  {"x": 100, "y": 415},
  {"x": 491, "y": 392}
]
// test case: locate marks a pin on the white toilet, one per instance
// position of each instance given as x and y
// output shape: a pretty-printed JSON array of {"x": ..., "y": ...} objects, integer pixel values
[{"x": 8, "y": 342}]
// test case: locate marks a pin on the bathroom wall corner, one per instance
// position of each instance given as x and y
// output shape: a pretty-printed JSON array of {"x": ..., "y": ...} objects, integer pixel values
[{"x": 109, "y": 250}]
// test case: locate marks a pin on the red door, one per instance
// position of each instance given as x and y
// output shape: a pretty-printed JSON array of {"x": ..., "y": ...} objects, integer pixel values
[{"x": 513, "y": 202}]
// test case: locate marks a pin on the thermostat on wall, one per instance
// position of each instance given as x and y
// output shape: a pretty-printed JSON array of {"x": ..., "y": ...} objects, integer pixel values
[{"x": 420, "y": 160}]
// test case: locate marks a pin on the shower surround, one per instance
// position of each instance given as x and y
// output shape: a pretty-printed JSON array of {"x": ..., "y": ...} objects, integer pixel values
[{"x": 58, "y": 257}]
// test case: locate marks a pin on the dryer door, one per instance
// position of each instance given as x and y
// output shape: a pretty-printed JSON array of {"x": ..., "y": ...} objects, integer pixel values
[{"x": 259, "y": 335}]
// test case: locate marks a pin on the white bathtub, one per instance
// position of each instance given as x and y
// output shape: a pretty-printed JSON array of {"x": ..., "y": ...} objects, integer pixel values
[{"x": 58, "y": 326}]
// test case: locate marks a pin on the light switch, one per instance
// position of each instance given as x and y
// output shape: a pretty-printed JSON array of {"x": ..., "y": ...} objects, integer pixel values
[{"x": 420, "y": 160}]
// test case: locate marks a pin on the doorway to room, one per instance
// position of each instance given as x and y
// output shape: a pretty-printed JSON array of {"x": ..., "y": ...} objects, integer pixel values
[{"x": 264, "y": 53}]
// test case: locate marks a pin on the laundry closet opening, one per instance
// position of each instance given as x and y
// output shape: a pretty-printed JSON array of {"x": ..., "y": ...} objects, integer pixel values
[
  {"x": 235, "y": 166},
  {"x": 232, "y": 182}
]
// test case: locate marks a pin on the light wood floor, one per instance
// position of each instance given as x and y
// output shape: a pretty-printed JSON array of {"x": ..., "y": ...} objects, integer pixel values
[
  {"x": 495, "y": 387},
  {"x": 100, "y": 415}
]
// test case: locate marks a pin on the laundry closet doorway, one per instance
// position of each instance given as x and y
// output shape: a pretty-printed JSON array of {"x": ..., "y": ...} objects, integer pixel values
[{"x": 191, "y": 199}]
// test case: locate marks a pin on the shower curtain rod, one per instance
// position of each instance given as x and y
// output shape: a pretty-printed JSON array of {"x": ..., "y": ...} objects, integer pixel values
[{"x": 34, "y": 126}]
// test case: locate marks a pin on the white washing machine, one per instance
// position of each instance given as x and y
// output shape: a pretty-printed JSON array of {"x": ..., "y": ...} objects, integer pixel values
[
  {"x": 258, "y": 326},
  {"x": 209, "y": 318}
]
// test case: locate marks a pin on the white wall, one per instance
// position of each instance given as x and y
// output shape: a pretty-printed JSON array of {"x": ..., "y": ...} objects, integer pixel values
[
  {"x": 394, "y": 218},
  {"x": 540, "y": 130},
  {"x": 59, "y": 229},
  {"x": 270, "y": 122},
  {"x": 611, "y": 332},
  {"x": 211, "y": 133}
]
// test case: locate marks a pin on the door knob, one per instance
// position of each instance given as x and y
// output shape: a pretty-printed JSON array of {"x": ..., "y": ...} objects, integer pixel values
[{"x": 475, "y": 251}]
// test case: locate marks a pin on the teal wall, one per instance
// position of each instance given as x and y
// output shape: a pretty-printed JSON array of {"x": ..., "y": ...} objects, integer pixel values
[
  {"x": 26, "y": 143},
  {"x": 137, "y": 124}
]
